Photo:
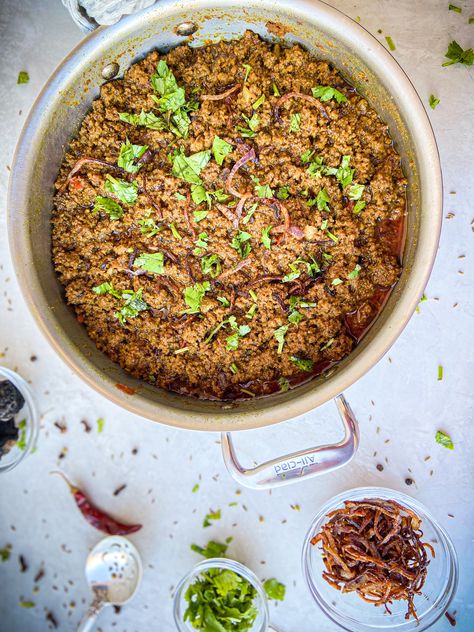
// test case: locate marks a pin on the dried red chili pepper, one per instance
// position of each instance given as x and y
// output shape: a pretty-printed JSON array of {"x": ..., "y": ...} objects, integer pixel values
[
  {"x": 126, "y": 389},
  {"x": 96, "y": 517}
]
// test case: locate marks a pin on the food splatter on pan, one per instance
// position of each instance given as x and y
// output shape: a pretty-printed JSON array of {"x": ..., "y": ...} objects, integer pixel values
[{"x": 229, "y": 220}]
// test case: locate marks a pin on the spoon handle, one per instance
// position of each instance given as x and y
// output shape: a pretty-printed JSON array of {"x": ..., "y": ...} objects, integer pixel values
[{"x": 89, "y": 618}]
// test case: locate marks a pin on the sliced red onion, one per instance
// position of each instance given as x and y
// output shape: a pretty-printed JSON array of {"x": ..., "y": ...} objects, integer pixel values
[
  {"x": 242, "y": 264},
  {"x": 223, "y": 95},
  {"x": 85, "y": 160},
  {"x": 239, "y": 209},
  {"x": 250, "y": 155}
]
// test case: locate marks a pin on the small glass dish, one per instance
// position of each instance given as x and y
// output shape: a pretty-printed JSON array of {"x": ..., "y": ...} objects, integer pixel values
[
  {"x": 351, "y": 612},
  {"x": 261, "y": 623},
  {"x": 26, "y": 419}
]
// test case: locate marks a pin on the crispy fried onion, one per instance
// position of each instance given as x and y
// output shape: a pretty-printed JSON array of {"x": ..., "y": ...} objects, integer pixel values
[
  {"x": 299, "y": 95},
  {"x": 222, "y": 95},
  {"x": 84, "y": 161},
  {"x": 374, "y": 547},
  {"x": 249, "y": 155}
]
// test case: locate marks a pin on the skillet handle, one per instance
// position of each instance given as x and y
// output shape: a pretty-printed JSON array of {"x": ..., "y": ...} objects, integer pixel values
[{"x": 291, "y": 468}]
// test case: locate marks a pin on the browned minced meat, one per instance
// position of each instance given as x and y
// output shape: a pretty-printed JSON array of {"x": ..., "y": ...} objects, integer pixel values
[{"x": 90, "y": 248}]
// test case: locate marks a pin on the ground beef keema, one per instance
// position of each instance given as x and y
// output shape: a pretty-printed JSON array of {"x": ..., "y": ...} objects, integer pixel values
[{"x": 232, "y": 307}]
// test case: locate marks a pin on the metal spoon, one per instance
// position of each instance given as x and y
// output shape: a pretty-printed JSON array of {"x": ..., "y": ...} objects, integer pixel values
[{"x": 114, "y": 572}]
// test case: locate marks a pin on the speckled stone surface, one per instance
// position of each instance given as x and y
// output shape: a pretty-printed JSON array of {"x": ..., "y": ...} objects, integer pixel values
[{"x": 400, "y": 403}]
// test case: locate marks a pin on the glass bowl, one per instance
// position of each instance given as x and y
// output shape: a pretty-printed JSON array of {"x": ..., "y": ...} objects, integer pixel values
[
  {"x": 28, "y": 430},
  {"x": 351, "y": 612},
  {"x": 261, "y": 623}
]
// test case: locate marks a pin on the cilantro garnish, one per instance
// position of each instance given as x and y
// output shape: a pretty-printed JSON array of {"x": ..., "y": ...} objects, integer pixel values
[
  {"x": 263, "y": 190},
  {"x": 128, "y": 154},
  {"x": 298, "y": 301},
  {"x": 172, "y": 100},
  {"x": 100, "y": 425},
  {"x": 21, "y": 443},
  {"x": 279, "y": 335},
  {"x": 307, "y": 155},
  {"x": 193, "y": 296},
  {"x": 390, "y": 43},
  {"x": 5, "y": 553},
  {"x": 358, "y": 207},
  {"x": 355, "y": 272},
  {"x": 248, "y": 70},
  {"x": 433, "y": 101},
  {"x": 344, "y": 173},
  {"x": 250, "y": 212},
  {"x": 304, "y": 365},
  {"x": 283, "y": 193},
  {"x": 23, "y": 77},
  {"x": 225, "y": 301},
  {"x": 200, "y": 215},
  {"x": 108, "y": 206},
  {"x": 284, "y": 384},
  {"x": 233, "y": 368},
  {"x": 440, "y": 372},
  {"x": 276, "y": 92},
  {"x": 107, "y": 288},
  {"x": 355, "y": 192},
  {"x": 312, "y": 268},
  {"x": 212, "y": 549},
  {"x": 336, "y": 281},
  {"x": 453, "y": 7},
  {"x": 211, "y": 265},
  {"x": 444, "y": 440},
  {"x": 274, "y": 589},
  {"x": 175, "y": 231},
  {"x": 220, "y": 600},
  {"x": 151, "y": 262},
  {"x": 326, "y": 93},
  {"x": 328, "y": 344},
  {"x": 295, "y": 122},
  {"x": 266, "y": 239},
  {"x": 295, "y": 317},
  {"x": 134, "y": 304},
  {"x": 240, "y": 243},
  {"x": 201, "y": 244},
  {"x": 322, "y": 200},
  {"x": 239, "y": 332},
  {"x": 188, "y": 168},
  {"x": 148, "y": 226},
  {"x": 220, "y": 149},
  {"x": 456, "y": 55},
  {"x": 127, "y": 192},
  {"x": 212, "y": 515},
  {"x": 317, "y": 168},
  {"x": 199, "y": 195},
  {"x": 253, "y": 123},
  {"x": 194, "y": 490},
  {"x": 258, "y": 102},
  {"x": 144, "y": 119}
]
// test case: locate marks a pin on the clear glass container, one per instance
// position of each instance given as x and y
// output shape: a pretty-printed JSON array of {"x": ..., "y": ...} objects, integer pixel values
[
  {"x": 28, "y": 430},
  {"x": 351, "y": 612},
  {"x": 261, "y": 623}
]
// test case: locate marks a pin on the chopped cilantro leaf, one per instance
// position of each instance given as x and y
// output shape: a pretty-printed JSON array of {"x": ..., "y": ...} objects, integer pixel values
[
  {"x": 127, "y": 192},
  {"x": 328, "y": 344},
  {"x": 220, "y": 149},
  {"x": 107, "y": 288},
  {"x": 322, "y": 200},
  {"x": 239, "y": 332},
  {"x": 100, "y": 425},
  {"x": 134, "y": 304},
  {"x": 258, "y": 102},
  {"x": 274, "y": 589},
  {"x": 212, "y": 548},
  {"x": 5, "y": 553},
  {"x": 303, "y": 364},
  {"x": 240, "y": 243},
  {"x": 344, "y": 174},
  {"x": 211, "y": 265},
  {"x": 201, "y": 244},
  {"x": 148, "y": 226},
  {"x": 263, "y": 191},
  {"x": 188, "y": 168},
  {"x": 326, "y": 93},
  {"x": 456, "y": 55},
  {"x": 253, "y": 122},
  {"x": 444, "y": 440},
  {"x": 250, "y": 212},
  {"x": 283, "y": 193},
  {"x": 174, "y": 231},
  {"x": 440, "y": 372},
  {"x": 23, "y": 77},
  {"x": 212, "y": 515},
  {"x": 193, "y": 296},
  {"x": 358, "y": 207},
  {"x": 307, "y": 155},
  {"x": 276, "y": 92},
  {"x": 390, "y": 43},
  {"x": 453, "y": 7},
  {"x": 200, "y": 215},
  {"x": 128, "y": 154},
  {"x": 279, "y": 335},
  {"x": 355, "y": 272},
  {"x": 295, "y": 317},
  {"x": 144, "y": 119},
  {"x": 248, "y": 70},
  {"x": 151, "y": 262},
  {"x": 172, "y": 100},
  {"x": 336, "y": 281},
  {"x": 295, "y": 122},
  {"x": 194, "y": 490},
  {"x": 355, "y": 192},
  {"x": 266, "y": 239},
  {"x": 108, "y": 206},
  {"x": 225, "y": 301},
  {"x": 433, "y": 101}
]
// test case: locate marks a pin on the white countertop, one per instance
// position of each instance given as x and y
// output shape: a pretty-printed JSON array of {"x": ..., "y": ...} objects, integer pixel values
[{"x": 400, "y": 403}]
